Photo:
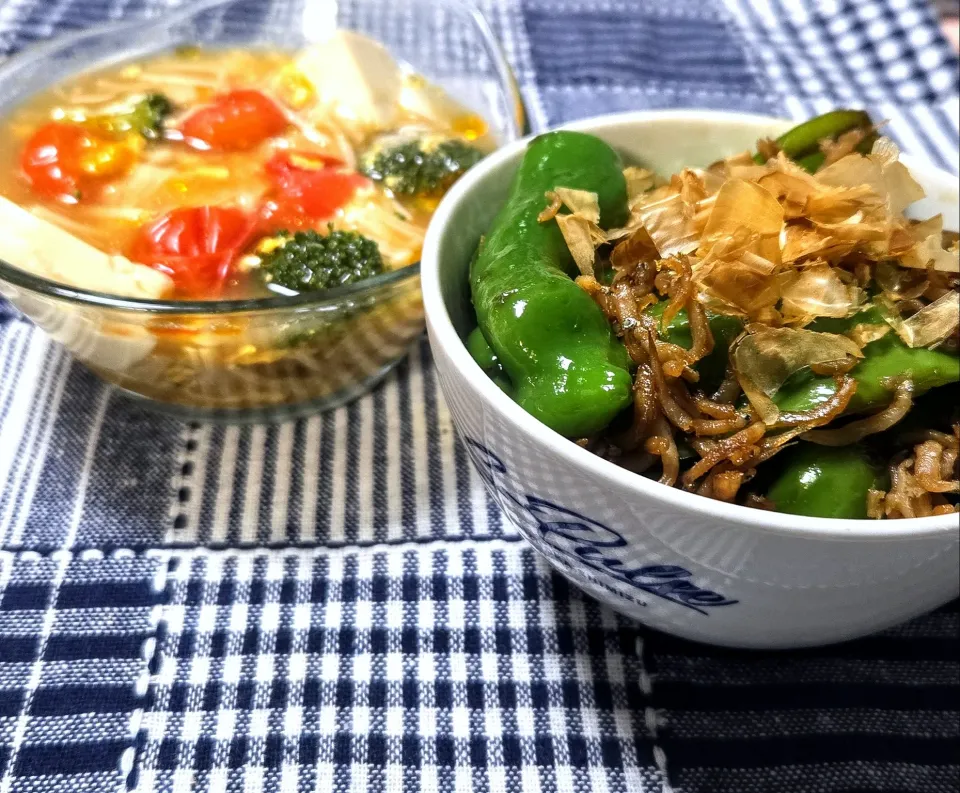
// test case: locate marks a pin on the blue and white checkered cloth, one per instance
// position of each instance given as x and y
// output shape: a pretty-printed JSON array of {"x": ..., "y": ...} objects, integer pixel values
[{"x": 334, "y": 604}]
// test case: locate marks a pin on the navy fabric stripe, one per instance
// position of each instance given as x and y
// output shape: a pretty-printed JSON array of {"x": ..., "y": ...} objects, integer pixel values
[
  {"x": 381, "y": 517},
  {"x": 105, "y": 596},
  {"x": 99, "y": 698},
  {"x": 11, "y": 702},
  {"x": 26, "y": 596},
  {"x": 78, "y": 648},
  {"x": 758, "y": 752},
  {"x": 609, "y": 48},
  {"x": 826, "y": 695},
  {"x": 18, "y": 649},
  {"x": 350, "y": 484},
  {"x": 39, "y": 760},
  {"x": 882, "y": 647}
]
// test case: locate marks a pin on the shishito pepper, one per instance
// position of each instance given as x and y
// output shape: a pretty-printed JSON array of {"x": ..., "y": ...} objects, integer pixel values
[
  {"x": 802, "y": 143},
  {"x": 884, "y": 361},
  {"x": 486, "y": 358},
  {"x": 825, "y": 482},
  {"x": 566, "y": 365}
]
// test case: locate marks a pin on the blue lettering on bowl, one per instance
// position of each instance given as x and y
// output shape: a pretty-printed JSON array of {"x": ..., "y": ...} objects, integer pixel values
[{"x": 591, "y": 543}]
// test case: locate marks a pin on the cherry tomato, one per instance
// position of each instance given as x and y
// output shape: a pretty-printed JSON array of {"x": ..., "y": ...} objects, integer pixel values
[
  {"x": 195, "y": 246},
  {"x": 66, "y": 160},
  {"x": 236, "y": 121},
  {"x": 307, "y": 187}
]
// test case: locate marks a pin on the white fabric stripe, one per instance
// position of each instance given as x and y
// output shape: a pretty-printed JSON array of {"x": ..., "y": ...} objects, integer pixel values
[
  {"x": 36, "y": 374},
  {"x": 281, "y": 482},
  {"x": 338, "y": 476},
  {"x": 364, "y": 473},
  {"x": 417, "y": 419},
  {"x": 227, "y": 463},
  {"x": 253, "y": 473},
  {"x": 38, "y": 441},
  {"x": 952, "y": 109},
  {"x": 310, "y": 465},
  {"x": 903, "y": 128},
  {"x": 14, "y": 345},
  {"x": 11, "y": 430},
  {"x": 923, "y": 115},
  {"x": 446, "y": 439},
  {"x": 394, "y": 482},
  {"x": 93, "y": 440}
]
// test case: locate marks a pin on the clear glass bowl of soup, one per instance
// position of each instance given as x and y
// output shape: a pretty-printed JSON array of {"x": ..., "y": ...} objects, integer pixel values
[{"x": 135, "y": 260}]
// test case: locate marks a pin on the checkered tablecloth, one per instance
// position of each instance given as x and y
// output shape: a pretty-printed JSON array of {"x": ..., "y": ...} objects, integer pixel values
[{"x": 334, "y": 604}]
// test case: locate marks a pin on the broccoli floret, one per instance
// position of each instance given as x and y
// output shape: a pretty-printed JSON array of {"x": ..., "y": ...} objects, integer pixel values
[
  {"x": 145, "y": 117},
  {"x": 420, "y": 167},
  {"x": 148, "y": 115},
  {"x": 309, "y": 260}
]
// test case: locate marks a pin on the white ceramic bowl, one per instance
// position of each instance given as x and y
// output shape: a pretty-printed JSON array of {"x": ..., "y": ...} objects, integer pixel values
[{"x": 684, "y": 564}]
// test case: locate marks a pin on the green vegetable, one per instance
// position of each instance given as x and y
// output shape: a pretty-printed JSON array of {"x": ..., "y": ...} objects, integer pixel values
[
  {"x": 568, "y": 368},
  {"x": 884, "y": 359},
  {"x": 725, "y": 329},
  {"x": 481, "y": 351},
  {"x": 487, "y": 359},
  {"x": 425, "y": 167},
  {"x": 802, "y": 143},
  {"x": 309, "y": 261},
  {"x": 146, "y": 117},
  {"x": 825, "y": 482}
]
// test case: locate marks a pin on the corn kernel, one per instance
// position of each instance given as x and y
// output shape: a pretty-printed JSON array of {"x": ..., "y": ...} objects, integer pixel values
[
  {"x": 470, "y": 126},
  {"x": 293, "y": 88}
]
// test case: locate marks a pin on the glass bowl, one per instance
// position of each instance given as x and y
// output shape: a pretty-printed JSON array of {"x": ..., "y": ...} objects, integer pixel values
[{"x": 276, "y": 357}]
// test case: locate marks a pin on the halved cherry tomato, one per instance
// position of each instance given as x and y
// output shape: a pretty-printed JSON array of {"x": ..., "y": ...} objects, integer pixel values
[
  {"x": 195, "y": 246},
  {"x": 307, "y": 187},
  {"x": 235, "y": 121},
  {"x": 65, "y": 160}
]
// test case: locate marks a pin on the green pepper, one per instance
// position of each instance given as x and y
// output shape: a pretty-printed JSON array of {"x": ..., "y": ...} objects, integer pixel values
[
  {"x": 884, "y": 359},
  {"x": 802, "y": 143},
  {"x": 567, "y": 367},
  {"x": 725, "y": 329},
  {"x": 481, "y": 351},
  {"x": 825, "y": 482}
]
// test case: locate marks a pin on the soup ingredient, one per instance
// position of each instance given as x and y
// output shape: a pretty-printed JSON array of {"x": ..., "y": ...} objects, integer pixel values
[
  {"x": 194, "y": 246},
  {"x": 355, "y": 78},
  {"x": 421, "y": 167},
  {"x": 307, "y": 187},
  {"x": 145, "y": 117},
  {"x": 826, "y": 483},
  {"x": 804, "y": 143},
  {"x": 235, "y": 121},
  {"x": 309, "y": 261},
  {"x": 46, "y": 250},
  {"x": 62, "y": 161},
  {"x": 567, "y": 366}
]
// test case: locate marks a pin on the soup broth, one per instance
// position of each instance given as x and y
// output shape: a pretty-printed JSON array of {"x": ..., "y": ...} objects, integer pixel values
[
  {"x": 202, "y": 175},
  {"x": 249, "y": 144}
]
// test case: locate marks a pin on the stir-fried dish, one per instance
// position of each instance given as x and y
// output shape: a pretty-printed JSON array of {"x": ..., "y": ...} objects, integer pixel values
[
  {"x": 209, "y": 174},
  {"x": 770, "y": 330}
]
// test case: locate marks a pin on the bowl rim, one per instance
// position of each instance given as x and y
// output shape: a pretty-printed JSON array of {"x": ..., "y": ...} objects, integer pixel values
[
  {"x": 444, "y": 335},
  {"x": 44, "y": 286}
]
